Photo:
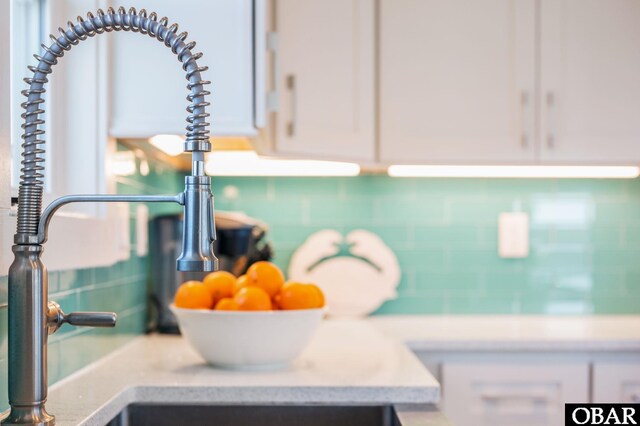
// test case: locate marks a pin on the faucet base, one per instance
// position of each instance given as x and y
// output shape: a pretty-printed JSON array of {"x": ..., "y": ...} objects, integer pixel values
[{"x": 35, "y": 415}]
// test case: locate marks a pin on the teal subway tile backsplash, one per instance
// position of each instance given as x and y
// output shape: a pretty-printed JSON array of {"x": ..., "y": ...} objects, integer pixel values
[
  {"x": 584, "y": 237},
  {"x": 584, "y": 246},
  {"x": 121, "y": 288}
]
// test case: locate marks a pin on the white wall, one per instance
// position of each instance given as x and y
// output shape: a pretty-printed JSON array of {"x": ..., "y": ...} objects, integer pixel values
[{"x": 95, "y": 238}]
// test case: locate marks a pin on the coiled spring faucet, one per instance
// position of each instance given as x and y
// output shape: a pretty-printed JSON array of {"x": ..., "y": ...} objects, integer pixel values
[{"x": 31, "y": 316}]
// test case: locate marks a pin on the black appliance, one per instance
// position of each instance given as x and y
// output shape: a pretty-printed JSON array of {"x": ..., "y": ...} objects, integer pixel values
[{"x": 240, "y": 242}]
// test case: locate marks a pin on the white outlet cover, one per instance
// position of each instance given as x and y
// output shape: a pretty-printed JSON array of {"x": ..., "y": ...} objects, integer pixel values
[{"x": 513, "y": 235}]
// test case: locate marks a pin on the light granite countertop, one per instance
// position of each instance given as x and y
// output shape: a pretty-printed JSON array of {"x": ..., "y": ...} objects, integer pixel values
[
  {"x": 534, "y": 333},
  {"x": 348, "y": 362}
]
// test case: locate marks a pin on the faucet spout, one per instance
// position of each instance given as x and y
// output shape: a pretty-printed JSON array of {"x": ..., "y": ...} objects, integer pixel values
[
  {"x": 31, "y": 316},
  {"x": 198, "y": 232}
]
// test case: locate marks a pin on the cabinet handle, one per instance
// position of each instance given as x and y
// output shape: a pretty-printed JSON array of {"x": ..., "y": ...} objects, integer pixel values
[
  {"x": 525, "y": 106},
  {"x": 551, "y": 125},
  {"x": 291, "y": 87},
  {"x": 516, "y": 395}
]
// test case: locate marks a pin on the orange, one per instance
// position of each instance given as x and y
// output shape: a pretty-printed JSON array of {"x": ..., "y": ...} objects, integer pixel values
[
  {"x": 294, "y": 295},
  {"x": 252, "y": 299},
  {"x": 241, "y": 282},
  {"x": 193, "y": 295},
  {"x": 219, "y": 284},
  {"x": 320, "y": 295},
  {"x": 227, "y": 304},
  {"x": 267, "y": 276},
  {"x": 274, "y": 303}
]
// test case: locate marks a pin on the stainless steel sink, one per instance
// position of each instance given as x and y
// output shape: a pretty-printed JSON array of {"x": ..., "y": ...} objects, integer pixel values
[{"x": 264, "y": 415}]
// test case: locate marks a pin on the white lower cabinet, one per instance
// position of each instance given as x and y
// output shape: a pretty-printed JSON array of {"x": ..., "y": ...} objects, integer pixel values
[
  {"x": 616, "y": 382},
  {"x": 507, "y": 394}
]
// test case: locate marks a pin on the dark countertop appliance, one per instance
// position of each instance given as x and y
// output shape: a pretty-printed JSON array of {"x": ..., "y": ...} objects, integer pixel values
[{"x": 239, "y": 243}]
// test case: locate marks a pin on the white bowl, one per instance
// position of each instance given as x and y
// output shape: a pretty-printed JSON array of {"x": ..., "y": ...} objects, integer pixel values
[{"x": 248, "y": 339}]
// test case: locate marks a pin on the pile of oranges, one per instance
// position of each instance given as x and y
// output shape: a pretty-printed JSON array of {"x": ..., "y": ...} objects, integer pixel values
[{"x": 262, "y": 288}]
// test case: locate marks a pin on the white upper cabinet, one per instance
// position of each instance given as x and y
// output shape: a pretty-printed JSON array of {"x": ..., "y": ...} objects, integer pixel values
[
  {"x": 457, "y": 81},
  {"x": 413, "y": 81},
  {"x": 590, "y": 81},
  {"x": 149, "y": 85},
  {"x": 325, "y": 79}
]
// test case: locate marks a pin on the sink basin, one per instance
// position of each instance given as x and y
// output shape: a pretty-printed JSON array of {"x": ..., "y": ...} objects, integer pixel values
[{"x": 264, "y": 415}]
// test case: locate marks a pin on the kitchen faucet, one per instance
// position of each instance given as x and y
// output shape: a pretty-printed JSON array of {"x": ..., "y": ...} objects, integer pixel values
[{"x": 31, "y": 316}]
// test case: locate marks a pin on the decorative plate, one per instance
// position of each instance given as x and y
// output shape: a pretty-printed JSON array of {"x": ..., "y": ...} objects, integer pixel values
[{"x": 357, "y": 273}]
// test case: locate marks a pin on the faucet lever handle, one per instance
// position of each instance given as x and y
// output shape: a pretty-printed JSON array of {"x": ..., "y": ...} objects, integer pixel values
[
  {"x": 56, "y": 317},
  {"x": 91, "y": 319}
]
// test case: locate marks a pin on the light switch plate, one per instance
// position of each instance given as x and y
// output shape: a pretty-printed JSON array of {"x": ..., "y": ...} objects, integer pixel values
[{"x": 513, "y": 235}]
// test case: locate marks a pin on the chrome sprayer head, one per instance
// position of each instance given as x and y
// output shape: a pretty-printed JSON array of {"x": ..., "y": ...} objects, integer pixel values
[{"x": 198, "y": 232}]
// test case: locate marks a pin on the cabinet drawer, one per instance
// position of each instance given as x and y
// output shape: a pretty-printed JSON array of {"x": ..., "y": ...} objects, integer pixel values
[
  {"x": 616, "y": 382},
  {"x": 526, "y": 393}
]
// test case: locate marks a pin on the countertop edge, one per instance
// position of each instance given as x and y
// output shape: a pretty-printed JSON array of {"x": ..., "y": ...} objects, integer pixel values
[
  {"x": 533, "y": 346},
  {"x": 251, "y": 396},
  {"x": 257, "y": 395}
]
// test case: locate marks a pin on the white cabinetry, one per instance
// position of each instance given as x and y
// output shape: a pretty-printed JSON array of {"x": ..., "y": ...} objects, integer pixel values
[
  {"x": 149, "y": 85},
  {"x": 616, "y": 382},
  {"x": 325, "y": 79},
  {"x": 590, "y": 81},
  {"x": 457, "y": 81},
  {"x": 509, "y": 81},
  {"x": 530, "y": 387},
  {"x": 517, "y": 393}
]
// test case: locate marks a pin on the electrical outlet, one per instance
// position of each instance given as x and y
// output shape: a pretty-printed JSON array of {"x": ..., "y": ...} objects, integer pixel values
[{"x": 513, "y": 235}]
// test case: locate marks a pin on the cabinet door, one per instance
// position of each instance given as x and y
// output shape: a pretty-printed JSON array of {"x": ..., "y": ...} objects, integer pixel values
[
  {"x": 149, "y": 85},
  {"x": 590, "y": 81},
  {"x": 507, "y": 394},
  {"x": 326, "y": 78},
  {"x": 457, "y": 81},
  {"x": 616, "y": 382}
]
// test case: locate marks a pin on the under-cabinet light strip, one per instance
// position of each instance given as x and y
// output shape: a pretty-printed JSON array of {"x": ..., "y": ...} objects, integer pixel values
[
  {"x": 570, "y": 172},
  {"x": 172, "y": 145},
  {"x": 248, "y": 163}
]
